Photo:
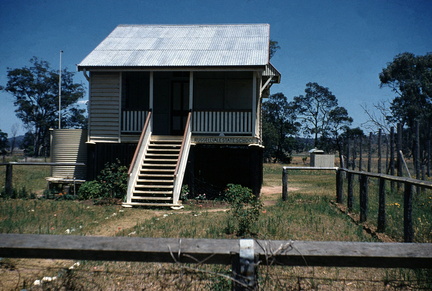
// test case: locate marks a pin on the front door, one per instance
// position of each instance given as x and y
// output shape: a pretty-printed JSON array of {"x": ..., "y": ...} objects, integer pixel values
[{"x": 179, "y": 106}]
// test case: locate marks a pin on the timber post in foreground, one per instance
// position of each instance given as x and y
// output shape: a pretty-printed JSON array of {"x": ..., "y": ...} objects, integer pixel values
[
  {"x": 284, "y": 184},
  {"x": 339, "y": 186}
]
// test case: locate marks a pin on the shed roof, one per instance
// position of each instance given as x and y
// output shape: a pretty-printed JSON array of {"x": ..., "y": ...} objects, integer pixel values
[{"x": 182, "y": 46}]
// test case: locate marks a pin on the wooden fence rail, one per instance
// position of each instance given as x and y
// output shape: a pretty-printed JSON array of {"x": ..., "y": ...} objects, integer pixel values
[
  {"x": 244, "y": 254},
  {"x": 409, "y": 183}
]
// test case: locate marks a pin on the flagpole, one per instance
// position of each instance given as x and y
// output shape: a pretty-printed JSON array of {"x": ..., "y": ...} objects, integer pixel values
[{"x": 60, "y": 75}]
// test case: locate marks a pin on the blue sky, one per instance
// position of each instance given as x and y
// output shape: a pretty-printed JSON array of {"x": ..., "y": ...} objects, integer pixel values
[{"x": 340, "y": 44}]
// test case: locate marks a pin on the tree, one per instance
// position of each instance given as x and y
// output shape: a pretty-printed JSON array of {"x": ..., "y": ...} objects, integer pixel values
[
  {"x": 279, "y": 125},
  {"x": 35, "y": 90},
  {"x": 274, "y": 47},
  {"x": 410, "y": 77},
  {"x": 3, "y": 142},
  {"x": 338, "y": 124},
  {"x": 14, "y": 131},
  {"x": 381, "y": 117},
  {"x": 321, "y": 115}
]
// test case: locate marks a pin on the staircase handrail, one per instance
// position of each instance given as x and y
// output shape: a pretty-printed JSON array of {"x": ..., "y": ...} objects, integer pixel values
[
  {"x": 142, "y": 136},
  {"x": 181, "y": 162},
  {"x": 185, "y": 142}
]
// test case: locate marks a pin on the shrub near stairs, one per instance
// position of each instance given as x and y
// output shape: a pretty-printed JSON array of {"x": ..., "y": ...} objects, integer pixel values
[{"x": 111, "y": 183}]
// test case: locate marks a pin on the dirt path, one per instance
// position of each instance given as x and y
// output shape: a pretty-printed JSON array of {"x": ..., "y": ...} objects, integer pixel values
[{"x": 135, "y": 216}]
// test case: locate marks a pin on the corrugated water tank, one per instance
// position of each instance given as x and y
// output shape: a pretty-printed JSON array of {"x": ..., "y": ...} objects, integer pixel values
[{"x": 69, "y": 146}]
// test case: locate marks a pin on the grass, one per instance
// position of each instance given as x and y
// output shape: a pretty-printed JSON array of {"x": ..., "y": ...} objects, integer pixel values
[
  {"x": 53, "y": 217},
  {"x": 30, "y": 178},
  {"x": 422, "y": 210},
  {"x": 307, "y": 215}
]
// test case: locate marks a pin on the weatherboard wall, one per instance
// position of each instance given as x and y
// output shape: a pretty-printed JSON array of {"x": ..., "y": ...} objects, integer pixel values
[{"x": 104, "y": 115}]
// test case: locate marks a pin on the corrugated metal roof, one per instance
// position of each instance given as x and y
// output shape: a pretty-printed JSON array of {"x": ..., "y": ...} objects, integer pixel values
[{"x": 182, "y": 45}]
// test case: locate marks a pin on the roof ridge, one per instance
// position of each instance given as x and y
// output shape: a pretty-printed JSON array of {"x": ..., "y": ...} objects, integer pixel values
[{"x": 197, "y": 24}]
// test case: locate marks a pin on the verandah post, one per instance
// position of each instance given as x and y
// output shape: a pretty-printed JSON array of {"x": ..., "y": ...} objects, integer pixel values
[{"x": 284, "y": 184}]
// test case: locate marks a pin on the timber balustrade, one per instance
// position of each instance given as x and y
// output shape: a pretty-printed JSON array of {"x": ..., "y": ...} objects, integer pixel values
[
  {"x": 226, "y": 122},
  {"x": 408, "y": 183},
  {"x": 245, "y": 255},
  {"x": 132, "y": 121}
]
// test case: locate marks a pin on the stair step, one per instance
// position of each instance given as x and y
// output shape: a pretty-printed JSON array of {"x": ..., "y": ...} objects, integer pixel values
[
  {"x": 143, "y": 171},
  {"x": 160, "y": 160},
  {"x": 165, "y": 144},
  {"x": 162, "y": 155},
  {"x": 150, "y": 204},
  {"x": 149, "y": 176},
  {"x": 154, "y": 181},
  {"x": 157, "y": 151},
  {"x": 158, "y": 165},
  {"x": 153, "y": 192},
  {"x": 150, "y": 198},
  {"x": 159, "y": 187},
  {"x": 167, "y": 140}
]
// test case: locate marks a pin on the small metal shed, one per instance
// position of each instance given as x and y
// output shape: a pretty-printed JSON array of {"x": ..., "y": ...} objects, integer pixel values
[{"x": 319, "y": 159}]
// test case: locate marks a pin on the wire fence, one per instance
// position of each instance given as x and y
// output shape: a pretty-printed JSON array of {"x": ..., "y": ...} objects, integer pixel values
[{"x": 32, "y": 274}]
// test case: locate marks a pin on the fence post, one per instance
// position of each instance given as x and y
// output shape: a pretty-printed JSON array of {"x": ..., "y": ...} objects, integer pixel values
[
  {"x": 363, "y": 197},
  {"x": 350, "y": 177},
  {"x": 284, "y": 184},
  {"x": 361, "y": 153},
  {"x": 399, "y": 150},
  {"x": 379, "y": 150},
  {"x": 408, "y": 225},
  {"x": 8, "y": 182},
  {"x": 339, "y": 186},
  {"x": 391, "y": 162},
  {"x": 244, "y": 267},
  {"x": 381, "y": 206},
  {"x": 369, "y": 166}
]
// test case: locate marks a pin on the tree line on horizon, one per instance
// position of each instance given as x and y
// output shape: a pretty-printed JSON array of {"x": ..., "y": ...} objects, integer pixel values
[{"x": 313, "y": 119}]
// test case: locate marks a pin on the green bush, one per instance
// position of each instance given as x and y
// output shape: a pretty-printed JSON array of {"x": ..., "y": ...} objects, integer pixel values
[
  {"x": 89, "y": 190},
  {"x": 111, "y": 183},
  {"x": 244, "y": 212},
  {"x": 113, "y": 180}
]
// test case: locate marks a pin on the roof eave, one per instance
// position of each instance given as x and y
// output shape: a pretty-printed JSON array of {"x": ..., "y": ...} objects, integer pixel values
[{"x": 170, "y": 68}]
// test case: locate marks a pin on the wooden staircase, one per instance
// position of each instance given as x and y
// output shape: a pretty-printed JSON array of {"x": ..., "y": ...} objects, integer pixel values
[{"x": 154, "y": 184}]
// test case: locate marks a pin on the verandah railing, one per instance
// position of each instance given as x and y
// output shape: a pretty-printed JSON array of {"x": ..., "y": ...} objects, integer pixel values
[
  {"x": 133, "y": 121},
  {"x": 222, "y": 122},
  {"x": 211, "y": 122}
]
